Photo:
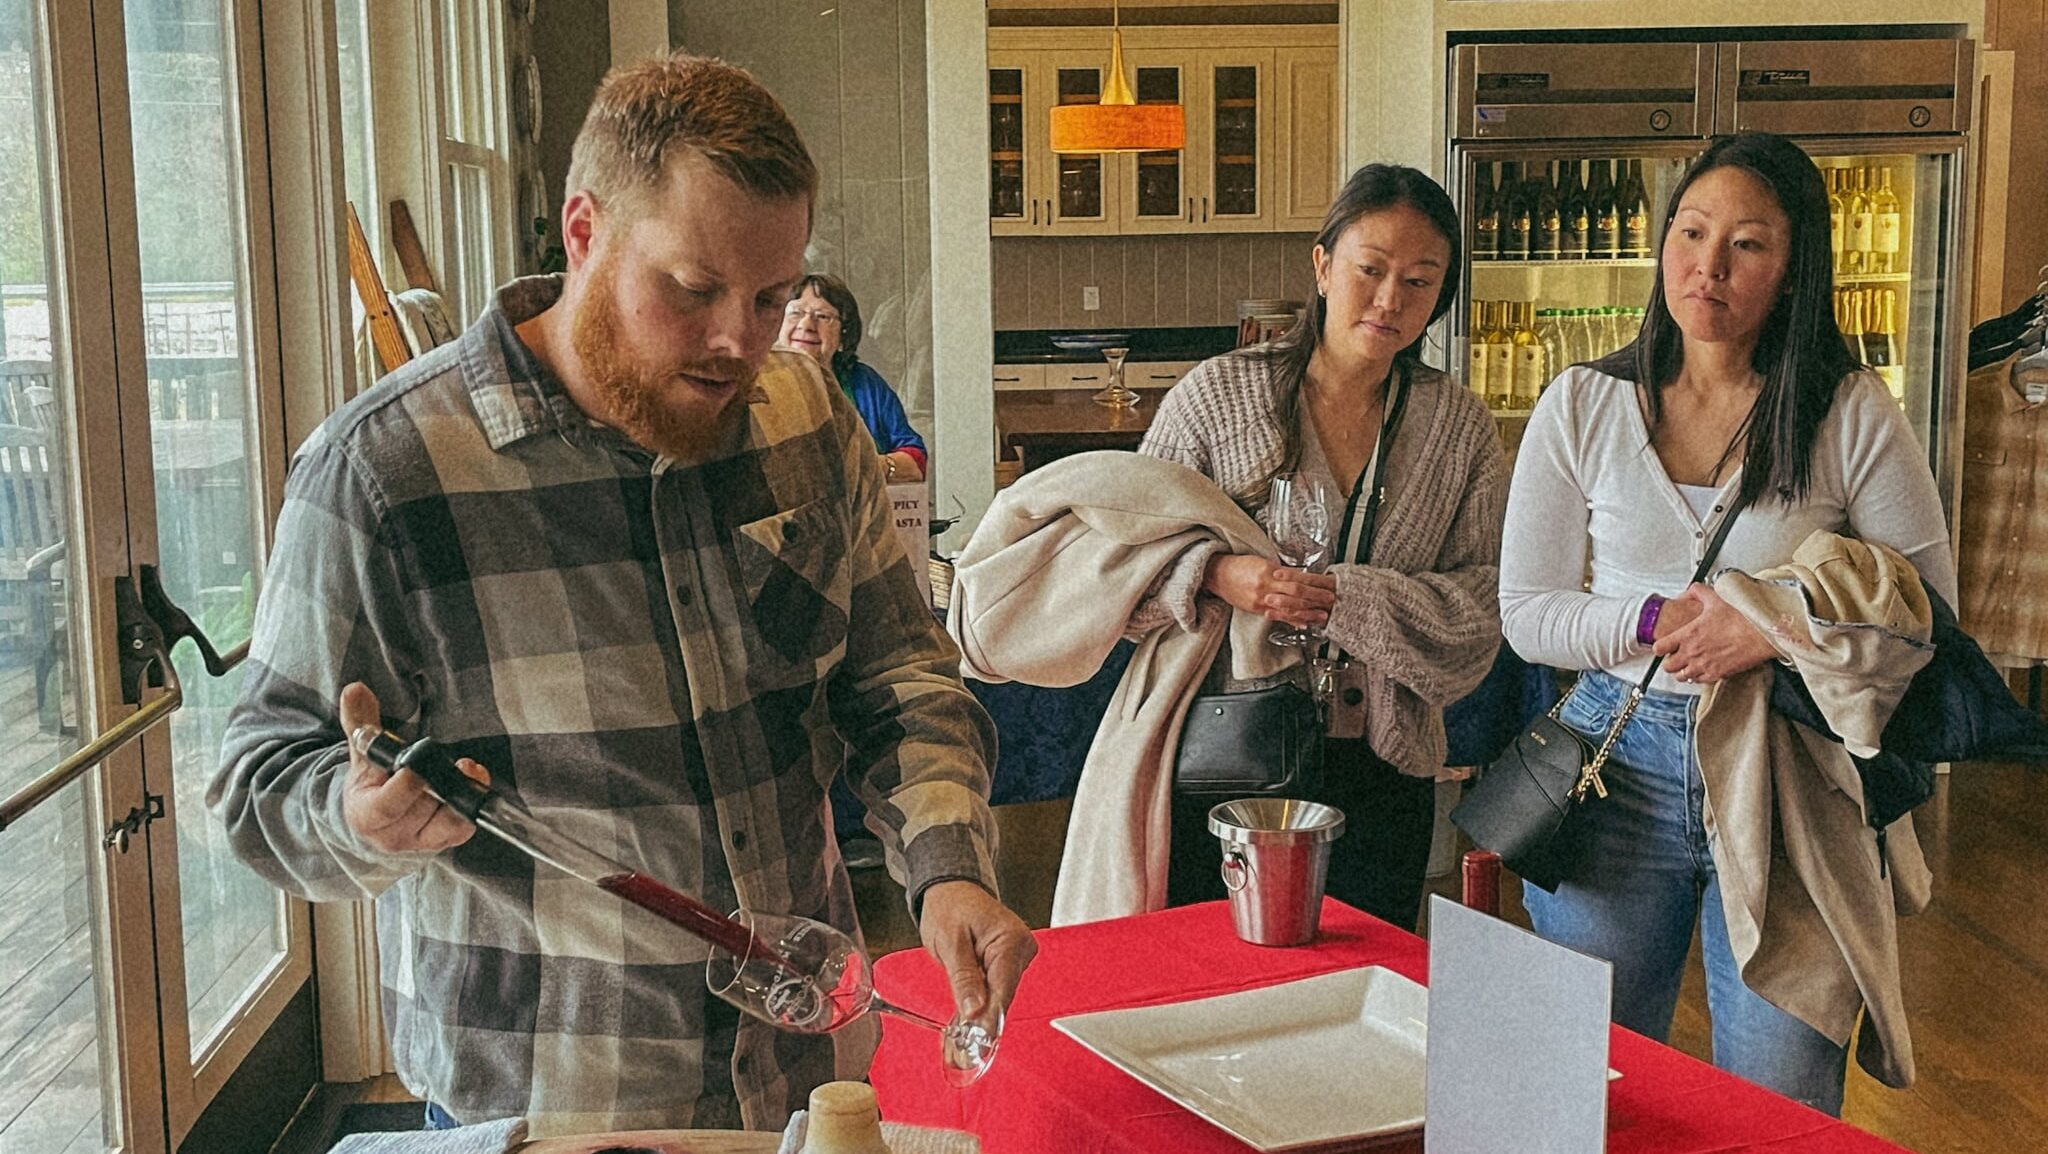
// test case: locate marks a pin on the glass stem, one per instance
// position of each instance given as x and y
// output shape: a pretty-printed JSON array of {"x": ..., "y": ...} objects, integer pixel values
[{"x": 883, "y": 1005}]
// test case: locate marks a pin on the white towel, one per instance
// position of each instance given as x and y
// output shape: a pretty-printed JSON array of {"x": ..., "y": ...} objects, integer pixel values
[
  {"x": 900, "y": 1139},
  {"x": 483, "y": 1138}
]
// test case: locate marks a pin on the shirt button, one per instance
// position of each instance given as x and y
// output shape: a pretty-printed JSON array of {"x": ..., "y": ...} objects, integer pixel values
[
  {"x": 739, "y": 839},
  {"x": 683, "y": 595}
]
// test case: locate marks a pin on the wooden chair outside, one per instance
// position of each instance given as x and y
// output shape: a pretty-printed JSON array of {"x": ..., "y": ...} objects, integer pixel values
[{"x": 32, "y": 545}]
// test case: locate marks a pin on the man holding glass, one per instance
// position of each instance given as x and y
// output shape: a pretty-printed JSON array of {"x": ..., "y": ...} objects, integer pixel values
[{"x": 642, "y": 574}]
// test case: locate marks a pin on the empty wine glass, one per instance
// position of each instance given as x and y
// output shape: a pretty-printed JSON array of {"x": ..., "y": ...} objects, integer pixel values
[
  {"x": 817, "y": 980},
  {"x": 1298, "y": 520}
]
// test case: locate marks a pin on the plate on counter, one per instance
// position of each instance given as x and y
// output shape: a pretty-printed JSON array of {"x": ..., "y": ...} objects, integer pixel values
[
  {"x": 1080, "y": 342},
  {"x": 1337, "y": 1058}
]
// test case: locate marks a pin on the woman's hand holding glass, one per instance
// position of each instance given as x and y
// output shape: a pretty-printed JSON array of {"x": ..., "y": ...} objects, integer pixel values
[
  {"x": 1294, "y": 597},
  {"x": 1298, "y": 519},
  {"x": 1708, "y": 640}
]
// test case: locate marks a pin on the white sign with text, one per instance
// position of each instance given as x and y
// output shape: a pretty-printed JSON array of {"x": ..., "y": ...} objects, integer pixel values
[{"x": 909, "y": 505}]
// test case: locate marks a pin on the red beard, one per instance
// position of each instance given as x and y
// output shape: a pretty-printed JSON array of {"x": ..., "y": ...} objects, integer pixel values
[{"x": 634, "y": 396}]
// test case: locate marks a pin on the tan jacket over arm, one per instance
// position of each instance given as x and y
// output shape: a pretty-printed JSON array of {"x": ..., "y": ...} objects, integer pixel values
[{"x": 1811, "y": 897}]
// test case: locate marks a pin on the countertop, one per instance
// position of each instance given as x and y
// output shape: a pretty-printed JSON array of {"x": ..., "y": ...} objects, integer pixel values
[{"x": 1035, "y": 347}]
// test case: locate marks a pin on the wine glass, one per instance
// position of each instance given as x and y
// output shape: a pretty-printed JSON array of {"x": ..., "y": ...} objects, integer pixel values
[
  {"x": 1116, "y": 395},
  {"x": 1298, "y": 520},
  {"x": 817, "y": 980}
]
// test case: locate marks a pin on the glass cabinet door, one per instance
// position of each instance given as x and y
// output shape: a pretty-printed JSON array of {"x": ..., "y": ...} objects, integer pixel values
[
  {"x": 1895, "y": 256},
  {"x": 1158, "y": 195},
  {"x": 1006, "y": 185},
  {"x": 1081, "y": 190},
  {"x": 1562, "y": 242},
  {"x": 1238, "y": 111}
]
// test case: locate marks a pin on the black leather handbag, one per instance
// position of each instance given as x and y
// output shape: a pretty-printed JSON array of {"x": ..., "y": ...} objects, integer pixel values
[
  {"x": 1254, "y": 744},
  {"x": 1269, "y": 742},
  {"x": 1526, "y": 805}
]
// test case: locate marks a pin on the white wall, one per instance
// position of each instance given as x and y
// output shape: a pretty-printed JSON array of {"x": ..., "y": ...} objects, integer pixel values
[
  {"x": 639, "y": 29},
  {"x": 963, "y": 310}
]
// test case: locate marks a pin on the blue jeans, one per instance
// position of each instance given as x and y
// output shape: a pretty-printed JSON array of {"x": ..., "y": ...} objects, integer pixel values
[
  {"x": 1646, "y": 877},
  {"x": 439, "y": 1119}
]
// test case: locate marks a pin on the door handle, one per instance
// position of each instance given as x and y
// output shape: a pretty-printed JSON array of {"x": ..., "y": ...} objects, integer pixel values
[
  {"x": 1191, "y": 210},
  {"x": 1205, "y": 210},
  {"x": 1034, "y": 210},
  {"x": 151, "y": 625}
]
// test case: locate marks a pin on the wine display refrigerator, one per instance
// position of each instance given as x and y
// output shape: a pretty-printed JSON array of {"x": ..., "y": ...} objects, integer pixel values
[{"x": 1563, "y": 156}]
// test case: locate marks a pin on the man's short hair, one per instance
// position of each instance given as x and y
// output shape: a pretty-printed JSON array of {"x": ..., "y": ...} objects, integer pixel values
[{"x": 647, "y": 114}]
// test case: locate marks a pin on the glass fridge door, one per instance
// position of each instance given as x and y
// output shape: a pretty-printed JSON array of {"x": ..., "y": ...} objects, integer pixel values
[
  {"x": 1561, "y": 243},
  {"x": 1896, "y": 278}
]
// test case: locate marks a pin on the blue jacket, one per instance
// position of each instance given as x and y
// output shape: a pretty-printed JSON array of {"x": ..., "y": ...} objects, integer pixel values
[{"x": 881, "y": 410}]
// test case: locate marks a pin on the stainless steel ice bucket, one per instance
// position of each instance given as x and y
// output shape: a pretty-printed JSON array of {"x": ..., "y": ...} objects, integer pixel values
[{"x": 1276, "y": 853}]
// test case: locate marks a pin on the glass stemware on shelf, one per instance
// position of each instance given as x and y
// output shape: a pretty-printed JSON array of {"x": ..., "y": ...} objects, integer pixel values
[
  {"x": 1116, "y": 394},
  {"x": 1298, "y": 521},
  {"x": 810, "y": 978}
]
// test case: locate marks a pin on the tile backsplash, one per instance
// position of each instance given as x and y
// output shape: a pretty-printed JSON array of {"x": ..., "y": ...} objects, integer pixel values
[{"x": 1144, "y": 281}]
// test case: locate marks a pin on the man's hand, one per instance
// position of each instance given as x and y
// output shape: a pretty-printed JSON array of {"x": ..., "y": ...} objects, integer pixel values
[
  {"x": 983, "y": 946},
  {"x": 1716, "y": 645},
  {"x": 1256, "y": 585},
  {"x": 394, "y": 813}
]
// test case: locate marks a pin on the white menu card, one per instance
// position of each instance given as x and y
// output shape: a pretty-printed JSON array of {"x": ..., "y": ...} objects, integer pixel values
[{"x": 1518, "y": 1032}]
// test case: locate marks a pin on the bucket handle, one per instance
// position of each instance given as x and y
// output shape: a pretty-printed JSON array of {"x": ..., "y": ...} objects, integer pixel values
[{"x": 1237, "y": 870}]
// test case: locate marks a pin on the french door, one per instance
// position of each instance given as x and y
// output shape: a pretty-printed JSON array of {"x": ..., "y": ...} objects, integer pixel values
[{"x": 141, "y": 442}]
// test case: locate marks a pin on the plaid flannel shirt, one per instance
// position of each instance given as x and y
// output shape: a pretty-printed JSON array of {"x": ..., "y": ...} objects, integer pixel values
[{"x": 669, "y": 663}]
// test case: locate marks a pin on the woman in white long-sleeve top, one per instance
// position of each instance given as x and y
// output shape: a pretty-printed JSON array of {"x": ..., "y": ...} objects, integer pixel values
[{"x": 1739, "y": 386}]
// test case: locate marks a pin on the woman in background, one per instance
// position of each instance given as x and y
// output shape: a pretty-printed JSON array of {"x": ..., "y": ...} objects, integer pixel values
[{"x": 824, "y": 321}]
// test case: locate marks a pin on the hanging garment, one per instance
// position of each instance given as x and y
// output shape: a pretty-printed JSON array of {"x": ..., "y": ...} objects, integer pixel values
[{"x": 2003, "y": 557}]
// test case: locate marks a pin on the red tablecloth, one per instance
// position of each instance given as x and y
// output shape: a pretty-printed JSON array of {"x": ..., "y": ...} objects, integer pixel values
[{"x": 1048, "y": 1093}]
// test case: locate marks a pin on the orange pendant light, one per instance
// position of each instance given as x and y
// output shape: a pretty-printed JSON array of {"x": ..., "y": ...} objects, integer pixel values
[{"x": 1118, "y": 123}]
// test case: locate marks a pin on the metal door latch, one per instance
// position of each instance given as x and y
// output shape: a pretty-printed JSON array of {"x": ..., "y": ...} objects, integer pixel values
[
  {"x": 150, "y": 624},
  {"x": 117, "y": 835}
]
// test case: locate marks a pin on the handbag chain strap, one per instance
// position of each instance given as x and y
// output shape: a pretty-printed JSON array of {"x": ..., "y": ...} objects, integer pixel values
[{"x": 1589, "y": 776}]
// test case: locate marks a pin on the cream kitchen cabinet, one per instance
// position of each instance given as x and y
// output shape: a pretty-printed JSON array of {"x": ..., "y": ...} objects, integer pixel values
[
  {"x": 1032, "y": 190},
  {"x": 1013, "y": 378},
  {"x": 1262, "y": 143}
]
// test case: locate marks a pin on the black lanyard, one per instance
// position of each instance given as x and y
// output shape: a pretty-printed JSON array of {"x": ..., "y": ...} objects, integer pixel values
[
  {"x": 1397, "y": 404},
  {"x": 1378, "y": 496}
]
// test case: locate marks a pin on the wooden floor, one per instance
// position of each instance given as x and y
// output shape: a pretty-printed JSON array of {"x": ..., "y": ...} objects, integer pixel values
[{"x": 49, "y": 1053}]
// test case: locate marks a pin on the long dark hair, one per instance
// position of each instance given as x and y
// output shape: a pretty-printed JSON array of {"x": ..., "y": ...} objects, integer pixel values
[
  {"x": 1371, "y": 189},
  {"x": 836, "y": 294},
  {"x": 1799, "y": 354}
]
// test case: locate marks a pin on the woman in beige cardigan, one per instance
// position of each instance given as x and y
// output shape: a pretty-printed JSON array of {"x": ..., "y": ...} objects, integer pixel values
[{"x": 1420, "y": 622}]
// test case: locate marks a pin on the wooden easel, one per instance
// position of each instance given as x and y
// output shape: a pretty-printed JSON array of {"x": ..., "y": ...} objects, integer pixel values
[{"x": 385, "y": 338}]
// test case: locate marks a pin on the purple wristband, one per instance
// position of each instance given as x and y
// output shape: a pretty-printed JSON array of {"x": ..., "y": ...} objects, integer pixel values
[{"x": 1646, "y": 621}]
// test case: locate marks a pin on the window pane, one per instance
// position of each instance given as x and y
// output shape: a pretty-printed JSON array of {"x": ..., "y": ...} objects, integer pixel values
[
  {"x": 470, "y": 195},
  {"x": 55, "y": 1089},
  {"x": 465, "y": 83},
  {"x": 352, "y": 36},
  {"x": 195, "y": 302}
]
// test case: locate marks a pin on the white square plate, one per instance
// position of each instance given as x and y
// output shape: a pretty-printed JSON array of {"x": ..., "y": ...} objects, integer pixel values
[
  {"x": 1339, "y": 1057},
  {"x": 1334, "y": 1057}
]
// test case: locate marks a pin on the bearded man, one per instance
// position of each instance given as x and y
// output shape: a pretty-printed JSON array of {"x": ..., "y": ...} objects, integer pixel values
[{"x": 640, "y": 573}]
